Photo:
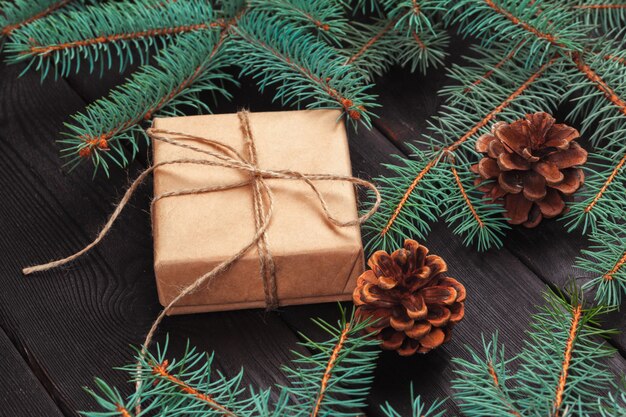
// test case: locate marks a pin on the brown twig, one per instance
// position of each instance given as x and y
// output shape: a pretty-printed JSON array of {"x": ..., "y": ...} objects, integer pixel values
[
  {"x": 329, "y": 369},
  {"x": 471, "y": 207},
  {"x": 161, "y": 371},
  {"x": 609, "y": 276},
  {"x": 367, "y": 45},
  {"x": 524, "y": 25},
  {"x": 48, "y": 49},
  {"x": 496, "y": 383},
  {"x": 567, "y": 359}
]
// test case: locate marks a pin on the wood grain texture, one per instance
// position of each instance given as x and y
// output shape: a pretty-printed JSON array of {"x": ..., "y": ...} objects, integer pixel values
[
  {"x": 21, "y": 393},
  {"x": 79, "y": 321}
]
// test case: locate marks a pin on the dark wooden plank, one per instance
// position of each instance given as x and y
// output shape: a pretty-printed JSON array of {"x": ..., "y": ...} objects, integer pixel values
[
  {"x": 92, "y": 310},
  {"x": 21, "y": 393}
]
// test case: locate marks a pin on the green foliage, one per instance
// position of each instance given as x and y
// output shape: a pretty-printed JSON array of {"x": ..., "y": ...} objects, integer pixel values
[
  {"x": 375, "y": 47},
  {"x": 605, "y": 260},
  {"x": 418, "y": 408},
  {"x": 325, "y": 18},
  {"x": 15, "y": 14},
  {"x": 153, "y": 90},
  {"x": 561, "y": 367},
  {"x": 546, "y": 28},
  {"x": 333, "y": 380},
  {"x": 299, "y": 66},
  {"x": 92, "y": 36},
  {"x": 560, "y": 371}
]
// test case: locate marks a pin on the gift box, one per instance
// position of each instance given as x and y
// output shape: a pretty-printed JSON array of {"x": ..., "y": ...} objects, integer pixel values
[{"x": 315, "y": 260}]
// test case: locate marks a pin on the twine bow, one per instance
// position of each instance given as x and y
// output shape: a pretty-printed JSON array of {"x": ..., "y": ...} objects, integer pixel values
[{"x": 225, "y": 156}]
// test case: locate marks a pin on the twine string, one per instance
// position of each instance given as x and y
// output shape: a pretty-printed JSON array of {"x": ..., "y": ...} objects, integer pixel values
[{"x": 227, "y": 157}]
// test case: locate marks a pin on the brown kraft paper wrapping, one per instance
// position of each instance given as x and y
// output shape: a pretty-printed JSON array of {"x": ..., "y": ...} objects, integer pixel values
[{"x": 315, "y": 260}]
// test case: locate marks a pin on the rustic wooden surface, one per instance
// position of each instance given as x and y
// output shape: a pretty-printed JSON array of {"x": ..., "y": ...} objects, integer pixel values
[{"x": 60, "y": 329}]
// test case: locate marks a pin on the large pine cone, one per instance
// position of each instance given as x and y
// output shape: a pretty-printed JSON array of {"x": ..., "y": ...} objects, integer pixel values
[
  {"x": 414, "y": 302},
  {"x": 534, "y": 164}
]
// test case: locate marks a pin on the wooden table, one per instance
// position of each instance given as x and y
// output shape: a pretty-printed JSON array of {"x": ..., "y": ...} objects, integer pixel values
[{"x": 60, "y": 329}]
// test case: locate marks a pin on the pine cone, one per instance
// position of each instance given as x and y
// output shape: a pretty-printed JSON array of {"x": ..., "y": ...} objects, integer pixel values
[
  {"x": 534, "y": 162},
  {"x": 414, "y": 302}
]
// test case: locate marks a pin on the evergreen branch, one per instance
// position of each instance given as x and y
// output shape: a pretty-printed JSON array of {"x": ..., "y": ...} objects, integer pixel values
[
  {"x": 605, "y": 185},
  {"x": 100, "y": 132},
  {"x": 608, "y": 92},
  {"x": 61, "y": 43},
  {"x": 414, "y": 15},
  {"x": 373, "y": 48},
  {"x": 418, "y": 408},
  {"x": 388, "y": 26},
  {"x": 497, "y": 66},
  {"x": 560, "y": 367},
  {"x": 269, "y": 48},
  {"x": 423, "y": 50},
  {"x": 600, "y": 6},
  {"x": 481, "y": 382},
  {"x": 325, "y": 17},
  {"x": 603, "y": 197},
  {"x": 561, "y": 358},
  {"x": 16, "y": 15},
  {"x": 477, "y": 220},
  {"x": 545, "y": 30},
  {"x": 161, "y": 371},
  {"x": 335, "y": 379},
  {"x": 605, "y": 259},
  {"x": 605, "y": 15},
  {"x": 598, "y": 95}
]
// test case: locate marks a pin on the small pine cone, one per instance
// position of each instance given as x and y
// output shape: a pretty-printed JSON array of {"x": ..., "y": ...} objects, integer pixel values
[
  {"x": 534, "y": 164},
  {"x": 413, "y": 305}
]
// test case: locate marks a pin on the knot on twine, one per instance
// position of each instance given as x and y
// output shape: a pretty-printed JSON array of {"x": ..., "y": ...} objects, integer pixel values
[{"x": 222, "y": 155}]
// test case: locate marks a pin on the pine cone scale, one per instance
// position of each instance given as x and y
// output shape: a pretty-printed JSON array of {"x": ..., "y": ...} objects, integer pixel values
[{"x": 534, "y": 186}]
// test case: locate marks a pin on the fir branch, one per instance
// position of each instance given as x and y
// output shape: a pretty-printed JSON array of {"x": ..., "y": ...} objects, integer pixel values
[
  {"x": 326, "y": 18},
  {"x": 561, "y": 358},
  {"x": 99, "y": 133},
  {"x": 330, "y": 366},
  {"x": 605, "y": 260},
  {"x": 545, "y": 30},
  {"x": 560, "y": 367},
  {"x": 269, "y": 49},
  {"x": 603, "y": 198},
  {"x": 604, "y": 15},
  {"x": 385, "y": 28},
  {"x": 59, "y": 44},
  {"x": 335, "y": 379},
  {"x": 424, "y": 50},
  {"x": 14, "y": 15},
  {"x": 418, "y": 408},
  {"x": 416, "y": 16},
  {"x": 479, "y": 221},
  {"x": 482, "y": 382},
  {"x": 373, "y": 48}
]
